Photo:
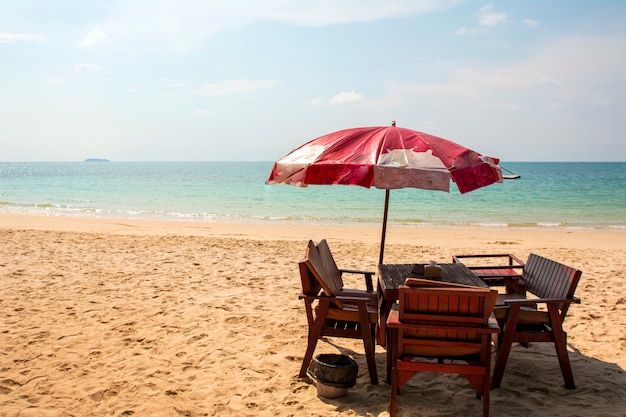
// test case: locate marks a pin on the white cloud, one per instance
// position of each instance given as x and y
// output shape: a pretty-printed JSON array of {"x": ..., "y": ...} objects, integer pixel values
[
  {"x": 325, "y": 12},
  {"x": 530, "y": 23},
  {"x": 582, "y": 70},
  {"x": 53, "y": 81},
  {"x": 316, "y": 102},
  {"x": 94, "y": 39},
  {"x": 87, "y": 68},
  {"x": 178, "y": 84},
  {"x": 487, "y": 18},
  {"x": 184, "y": 26},
  {"x": 589, "y": 61},
  {"x": 236, "y": 87},
  {"x": 346, "y": 97},
  {"x": 6, "y": 37},
  {"x": 464, "y": 30}
]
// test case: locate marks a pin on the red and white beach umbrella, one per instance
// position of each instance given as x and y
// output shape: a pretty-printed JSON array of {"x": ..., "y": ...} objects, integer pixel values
[{"x": 385, "y": 157}]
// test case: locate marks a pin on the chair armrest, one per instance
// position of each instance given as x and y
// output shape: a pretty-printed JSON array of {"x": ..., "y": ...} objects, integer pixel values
[
  {"x": 357, "y": 271},
  {"x": 367, "y": 274},
  {"x": 393, "y": 321},
  {"x": 542, "y": 300},
  {"x": 344, "y": 299},
  {"x": 513, "y": 260},
  {"x": 352, "y": 298},
  {"x": 303, "y": 296},
  {"x": 362, "y": 303}
]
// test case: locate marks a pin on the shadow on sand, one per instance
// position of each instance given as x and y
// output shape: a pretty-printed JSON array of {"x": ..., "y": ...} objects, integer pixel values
[{"x": 532, "y": 386}]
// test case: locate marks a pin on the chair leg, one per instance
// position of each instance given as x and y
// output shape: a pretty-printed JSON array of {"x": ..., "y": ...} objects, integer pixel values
[
  {"x": 487, "y": 381},
  {"x": 394, "y": 392},
  {"x": 369, "y": 344},
  {"x": 383, "y": 313},
  {"x": 486, "y": 403},
  {"x": 315, "y": 331},
  {"x": 560, "y": 344},
  {"x": 505, "y": 345},
  {"x": 308, "y": 356},
  {"x": 391, "y": 338}
]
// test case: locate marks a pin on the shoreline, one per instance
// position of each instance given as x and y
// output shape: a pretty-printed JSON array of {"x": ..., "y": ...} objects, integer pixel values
[
  {"x": 396, "y": 234},
  {"x": 609, "y": 238},
  {"x": 91, "y": 215}
]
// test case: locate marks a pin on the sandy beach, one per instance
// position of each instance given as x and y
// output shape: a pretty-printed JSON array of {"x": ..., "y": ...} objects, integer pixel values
[{"x": 118, "y": 317}]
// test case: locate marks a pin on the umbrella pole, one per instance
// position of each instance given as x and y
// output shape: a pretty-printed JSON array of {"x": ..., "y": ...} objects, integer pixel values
[{"x": 382, "y": 238}]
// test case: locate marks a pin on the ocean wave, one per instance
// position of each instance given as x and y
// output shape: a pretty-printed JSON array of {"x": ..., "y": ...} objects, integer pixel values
[
  {"x": 235, "y": 192},
  {"x": 59, "y": 210}
]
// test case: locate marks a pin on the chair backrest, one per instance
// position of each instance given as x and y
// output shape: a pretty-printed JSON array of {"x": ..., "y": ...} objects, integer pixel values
[
  {"x": 321, "y": 264},
  {"x": 310, "y": 284},
  {"x": 452, "y": 304},
  {"x": 546, "y": 278},
  {"x": 445, "y": 316},
  {"x": 331, "y": 271}
]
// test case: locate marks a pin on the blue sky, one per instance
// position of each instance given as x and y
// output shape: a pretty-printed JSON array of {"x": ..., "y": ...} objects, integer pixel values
[{"x": 158, "y": 80}]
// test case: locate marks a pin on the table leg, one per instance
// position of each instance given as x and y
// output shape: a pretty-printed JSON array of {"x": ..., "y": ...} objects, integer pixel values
[
  {"x": 392, "y": 337},
  {"x": 385, "y": 307}
]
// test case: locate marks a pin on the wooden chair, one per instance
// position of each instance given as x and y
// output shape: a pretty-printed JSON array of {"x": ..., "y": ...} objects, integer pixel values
[
  {"x": 444, "y": 329},
  {"x": 543, "y": 282},
  {"x": 333, "y": 310},
  {"x": 493, "y": 269}
]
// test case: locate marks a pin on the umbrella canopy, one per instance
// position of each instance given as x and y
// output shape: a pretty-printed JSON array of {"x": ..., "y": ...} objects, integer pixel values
[{"x": 385, "y": 157}]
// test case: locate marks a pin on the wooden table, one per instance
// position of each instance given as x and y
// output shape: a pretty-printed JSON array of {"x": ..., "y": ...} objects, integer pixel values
[
  {"x": 495, "y": 268},
  {"x": 391, "y": 276}
]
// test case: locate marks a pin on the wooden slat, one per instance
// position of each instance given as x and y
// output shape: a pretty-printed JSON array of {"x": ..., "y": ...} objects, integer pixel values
[
  {"x": 394, "y": 275},
  {"x": 546, "y": 278}
]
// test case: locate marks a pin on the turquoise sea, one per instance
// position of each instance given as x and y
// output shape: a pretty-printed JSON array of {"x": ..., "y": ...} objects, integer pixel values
[{"x": 552, "y": 195}]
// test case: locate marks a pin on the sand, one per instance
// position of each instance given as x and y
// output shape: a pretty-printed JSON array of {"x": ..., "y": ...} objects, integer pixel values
[{"x": 131, "y": 317}]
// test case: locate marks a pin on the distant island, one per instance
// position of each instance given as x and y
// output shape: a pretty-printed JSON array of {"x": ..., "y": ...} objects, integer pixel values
[{"x": 96, "y": 160}]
